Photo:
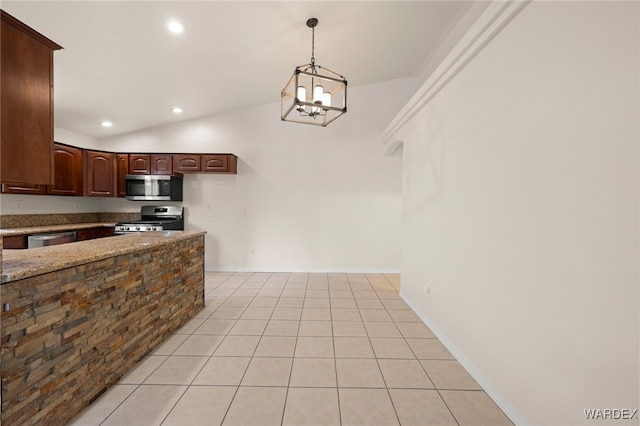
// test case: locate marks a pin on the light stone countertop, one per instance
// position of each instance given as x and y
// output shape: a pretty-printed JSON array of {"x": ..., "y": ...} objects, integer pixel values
[
  {"x": 19, "y": 264},
  {"x": 7, "y": 232}
]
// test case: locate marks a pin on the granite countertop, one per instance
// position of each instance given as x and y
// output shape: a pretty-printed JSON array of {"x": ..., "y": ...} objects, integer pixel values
[
  {"x": 51, "y": 228},
  {"x": 19, "y": 264}
]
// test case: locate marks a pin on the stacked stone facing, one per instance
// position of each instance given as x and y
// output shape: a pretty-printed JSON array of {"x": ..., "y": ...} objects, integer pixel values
[{"x": 69, "y": 335}]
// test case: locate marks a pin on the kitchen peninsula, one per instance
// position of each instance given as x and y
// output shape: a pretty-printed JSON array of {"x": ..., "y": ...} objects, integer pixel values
[{"x": 76, "y": 317}]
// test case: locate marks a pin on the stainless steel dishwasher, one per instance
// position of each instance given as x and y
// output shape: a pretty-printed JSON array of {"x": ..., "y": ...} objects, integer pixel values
[{"x": 41, "y": 240}]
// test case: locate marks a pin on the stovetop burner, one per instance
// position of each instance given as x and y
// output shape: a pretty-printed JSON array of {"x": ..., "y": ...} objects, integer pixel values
[
  {"x": 154, "y": 218},
  {"x": 148, "y": 222}
]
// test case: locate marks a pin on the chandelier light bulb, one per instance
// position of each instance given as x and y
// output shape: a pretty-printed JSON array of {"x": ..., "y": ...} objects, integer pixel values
[
  {"x": 302, "y": 96},
  {"x": 326, "y": 99},
  {"x": 318, "y": 91}
]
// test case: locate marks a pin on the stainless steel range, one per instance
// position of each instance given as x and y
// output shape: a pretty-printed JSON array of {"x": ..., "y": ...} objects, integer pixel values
[{"x": 154, "y": 218}]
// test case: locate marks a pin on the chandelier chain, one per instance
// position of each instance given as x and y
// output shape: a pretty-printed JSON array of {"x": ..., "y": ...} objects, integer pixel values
[{"x": 313, "y": 46}]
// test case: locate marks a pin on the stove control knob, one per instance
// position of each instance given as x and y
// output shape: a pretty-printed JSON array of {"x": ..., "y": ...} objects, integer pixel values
[{"x": 137, "y": 228}]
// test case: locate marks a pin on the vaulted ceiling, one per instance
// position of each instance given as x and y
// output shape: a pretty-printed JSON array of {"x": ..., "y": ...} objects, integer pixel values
[{"x": 120, "y": 62}]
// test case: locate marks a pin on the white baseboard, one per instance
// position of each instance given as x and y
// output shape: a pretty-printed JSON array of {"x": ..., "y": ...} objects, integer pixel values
[
  {"x": 488, "y": 387},
  {"x": 303, "y": 270}
]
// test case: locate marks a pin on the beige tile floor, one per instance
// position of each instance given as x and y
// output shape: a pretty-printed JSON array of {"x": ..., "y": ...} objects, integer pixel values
[{"x": 298, "y": 349}]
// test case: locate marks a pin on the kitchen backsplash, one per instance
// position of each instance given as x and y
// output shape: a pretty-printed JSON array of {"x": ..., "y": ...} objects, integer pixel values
[{"x": 27, "y": 220}]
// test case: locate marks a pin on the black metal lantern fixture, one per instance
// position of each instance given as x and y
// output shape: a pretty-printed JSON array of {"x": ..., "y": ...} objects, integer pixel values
[{"x": 313, "y": 95}]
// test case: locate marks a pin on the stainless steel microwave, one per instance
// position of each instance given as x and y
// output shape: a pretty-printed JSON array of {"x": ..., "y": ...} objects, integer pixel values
[{"x": 153, "y": 188}]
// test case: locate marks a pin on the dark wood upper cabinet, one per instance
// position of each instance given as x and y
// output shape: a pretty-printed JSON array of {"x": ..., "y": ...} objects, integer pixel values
[
  {"x": 26, "y": 95},
  {"x": 139, "y": 164},
  {"x": 214, "y": 163},
  {"x": 186, "y": 163},
  {"x": 68, "y": 171},
  {"x": 205, "y": 163},
  {"x": 68, "y": 175},
  {"x": 103, "y": 174},
  {"x": 161, "y": 164},
  {"x": 122, "y": 169},
  {"x": 219, "y": 163},
  {"x": 150, "y": 164},
  {"x": 99, "y": 174},
  {"x": 23, "y": 188}
]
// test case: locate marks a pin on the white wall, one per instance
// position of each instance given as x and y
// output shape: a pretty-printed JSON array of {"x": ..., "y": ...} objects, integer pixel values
[
  {"x": 520, "y": 211},
  {"x": 305, "y": 198},
  {"x": 76, "y": 139}
]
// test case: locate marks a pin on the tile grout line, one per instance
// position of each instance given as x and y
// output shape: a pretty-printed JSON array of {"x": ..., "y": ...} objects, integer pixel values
[
  {"x": 137, "y": 386},
  {"x": 120, "y": 404},
  {"x": 199, "y": 371},
  {"x": 226, "y": 413},
  {"x": 395, "y": 411},
  {"x": 293, "y": 359},
  {"x": 379, "y": 288},
  {"x": 422, "y": 366},
  {"x": 448, "y": 408},
  {"x": 335, "y": 360}
]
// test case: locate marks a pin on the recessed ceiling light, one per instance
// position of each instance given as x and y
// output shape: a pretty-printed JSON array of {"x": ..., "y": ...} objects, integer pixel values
[
  {"x": 175, "y": 27},
  {"x": 106, "y": 123},
  {"x": 176, "y": 110}
]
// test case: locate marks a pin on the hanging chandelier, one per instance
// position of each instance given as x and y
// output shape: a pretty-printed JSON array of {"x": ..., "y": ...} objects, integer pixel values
[{"x": 313, "y": 95}]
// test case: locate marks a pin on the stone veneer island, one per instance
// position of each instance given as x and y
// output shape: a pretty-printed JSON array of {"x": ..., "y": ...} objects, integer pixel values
[{"x": 76, "y": 317}]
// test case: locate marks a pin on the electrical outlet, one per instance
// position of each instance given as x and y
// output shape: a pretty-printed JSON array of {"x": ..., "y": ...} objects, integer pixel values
[
  {"x": 252, "y": 251},
  {"x": 19, "y": 205}
]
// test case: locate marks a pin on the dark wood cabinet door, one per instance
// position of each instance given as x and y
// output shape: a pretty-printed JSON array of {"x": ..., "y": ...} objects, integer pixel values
[
  {"x": 67, "y": 171},
  {"x": 232, "y": 164},
  {"x": 214, "y": 163},
  {"x": 26, "y": 95},
  {"x": 122, "y": 169},
  {"x": 93, "y": 233},
  {"x": 161, "y": 164},
  {"x": 99, "y": 176},
  {"x": 84, "y": 234},
  {"x": 139, "y": 164},
  {"x": 23, "y": 188},
  {"x": 186, "y": 163},
  {"x": 107, "y": 231},
  {"x": 14, "y": 242}
]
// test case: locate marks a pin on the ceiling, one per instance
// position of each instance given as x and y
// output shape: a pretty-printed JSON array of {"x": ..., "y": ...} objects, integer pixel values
[{"x": 120, "y": 63}]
